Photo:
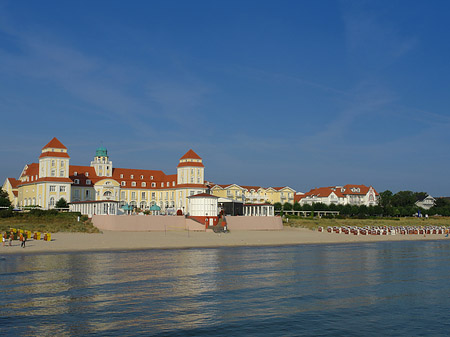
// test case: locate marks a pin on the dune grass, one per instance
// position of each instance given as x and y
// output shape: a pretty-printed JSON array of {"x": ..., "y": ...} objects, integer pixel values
[
  {"x": 50, "y": 223},
  {"x": 314, "y": 223}
]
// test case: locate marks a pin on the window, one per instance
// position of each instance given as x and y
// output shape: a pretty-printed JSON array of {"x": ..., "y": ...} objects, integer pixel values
[
  {"x": 133, "y": 183},
  {"x": 151, "y": 177},
  {"x": 107, "y": 194},
  {"x": 75, "y": 173},
  {"x": 153, "y": 184},
  {"x": 62, "y": 163},
  {"x": 76, "y": 193},
  {"x": 61, "y": 173},
  {"x": 53, "y": 173},
  {"x": 132, "y": 176},
  {"x": 53, "y": 163},
  {"x": 86, "y": 174},
  {"x": 62, "y": 188},
  {"x": 87, "y": 193},
  {"x": 192, "y": 179},
  {"x": 108, "y": 183},
  {"x": 123, "y": 195},
  {"x": 153, "y": 195},
  {"x": 191, "y": 193},
  {"x": 173, "y": 183},
  {"x": 167, "y": 195},
  {"x": 121, "y": 176},
  {"x": 88, "y": 182},
  {"x": 143, "y": 195},
  {"x": 143, "y": 184},
  {"x": 76, "y": 181},
  {"x": 142, "y": 177},
  {"x": 52, "y": 188},
  {"x": 123, "y": 183},
  {"x": 162, "y": 184},
  {"x": 133, "y": 195},
  {"x": 52, "y": 201}
]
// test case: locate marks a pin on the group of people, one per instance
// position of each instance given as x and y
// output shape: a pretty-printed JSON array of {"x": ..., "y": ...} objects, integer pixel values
[{"x": 22, "y": 238}]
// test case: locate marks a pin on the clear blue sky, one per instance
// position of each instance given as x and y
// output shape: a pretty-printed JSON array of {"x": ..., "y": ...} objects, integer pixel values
[{"x": 270, "y": 93}]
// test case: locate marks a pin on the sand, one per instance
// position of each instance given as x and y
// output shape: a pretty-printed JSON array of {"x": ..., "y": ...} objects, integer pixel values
[{"x": 110, "y": 241}]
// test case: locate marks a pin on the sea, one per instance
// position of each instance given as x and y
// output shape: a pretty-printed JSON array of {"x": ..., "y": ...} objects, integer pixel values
[{"x": 364, "y": 289}]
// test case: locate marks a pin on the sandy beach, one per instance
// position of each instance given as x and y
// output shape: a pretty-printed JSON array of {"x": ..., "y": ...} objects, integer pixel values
[{"x": 109, "y": 240}]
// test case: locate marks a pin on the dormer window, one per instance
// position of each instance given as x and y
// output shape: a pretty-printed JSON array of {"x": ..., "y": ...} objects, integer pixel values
[
  {"x": 173, "y": 183},
  {"x": 76, "y": 181},
  {"x": 153, "y": 184},
  {"x": 88, "y": 182},
  {"x": 143, "y": 184},
  {"x": 142, "y": 177},
  {"x": 121, "y": 176},
  {"x": 162, "y": 184},
  {"x": 86, "y": 174},
  {"x": 151, "y": 177},
  {"x": 133, "y": 183},
  {"x": 132, "y": 176},
  {"x": 75, "y": 173},
  {"x": 123, "y": 183}
]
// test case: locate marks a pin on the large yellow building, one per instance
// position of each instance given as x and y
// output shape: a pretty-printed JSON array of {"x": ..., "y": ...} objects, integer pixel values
[
  {"x": 43, "y": 184},
  {"x": 254, "y": 194}
]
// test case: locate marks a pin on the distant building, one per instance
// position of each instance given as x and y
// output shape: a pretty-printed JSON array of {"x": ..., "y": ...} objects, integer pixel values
[
  {"x": 426, "y": 203},
  {"x": 254, "y": 194},
  {"x": 340, "y": 195}
]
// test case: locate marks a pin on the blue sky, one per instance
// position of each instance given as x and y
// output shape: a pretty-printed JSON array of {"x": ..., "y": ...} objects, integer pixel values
[{"x": 269, "y": 93}]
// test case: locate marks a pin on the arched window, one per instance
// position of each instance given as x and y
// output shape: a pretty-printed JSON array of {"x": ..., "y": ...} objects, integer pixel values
[
  {"x": 52, "y": 201},
  {"x": 142, "y": 205},
  {"x": 107, "y": 194}
]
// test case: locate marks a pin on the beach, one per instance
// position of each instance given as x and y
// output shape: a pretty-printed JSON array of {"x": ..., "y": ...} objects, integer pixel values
[{"x": 113, "y": 240}]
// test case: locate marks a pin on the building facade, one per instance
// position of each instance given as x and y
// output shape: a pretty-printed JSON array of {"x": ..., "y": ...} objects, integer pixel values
[
  {"x": 42, "y": 184},
  {"x": 340, "y": 195},
  {"x": 254, "y": 194}
]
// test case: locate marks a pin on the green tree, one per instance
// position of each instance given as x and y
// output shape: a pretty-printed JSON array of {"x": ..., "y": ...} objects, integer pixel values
[
  {"x": 287, "y": 206},
  {"x": 403, "y": 198},
  {"x": 297, "y": 206},
  {"x": 385, "y": 199},
  {"x": 61, "y": 203},
  {"x": 4, "y": 199},
  {"x": 277, "y": 206}
]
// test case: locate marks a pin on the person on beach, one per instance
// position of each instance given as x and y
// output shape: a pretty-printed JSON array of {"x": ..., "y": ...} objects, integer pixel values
[
  {"x": 21, "y": 240},
  {"x": 10, "y": 238},
  {"x": 4, "y": 240}
]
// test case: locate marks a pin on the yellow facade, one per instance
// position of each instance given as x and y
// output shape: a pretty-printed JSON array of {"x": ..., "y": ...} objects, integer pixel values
[{"x": 254, "y": 194}]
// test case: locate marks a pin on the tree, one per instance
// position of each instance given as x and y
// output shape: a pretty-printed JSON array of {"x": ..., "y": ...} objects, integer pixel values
[
  {"x": 297, "y": 206},
  {"x": 4, "y": 199},
  {"x": 287, "y": 206},
  {"x": 385, "y": 199},
  {"x": 403, "y": 198},
  {"x": 277, "y": 206},
  {"x": 61, "y": 203}
]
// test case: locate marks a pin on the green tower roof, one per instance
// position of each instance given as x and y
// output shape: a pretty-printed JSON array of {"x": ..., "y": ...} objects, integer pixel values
[{"x": 101, "y": 152}]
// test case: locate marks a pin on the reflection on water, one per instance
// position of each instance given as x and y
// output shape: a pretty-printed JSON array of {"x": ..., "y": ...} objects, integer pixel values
[{"x": 309, "y": 290}]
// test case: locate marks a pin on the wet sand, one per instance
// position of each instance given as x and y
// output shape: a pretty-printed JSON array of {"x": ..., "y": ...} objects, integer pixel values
[{"x": 110, "y": 241}]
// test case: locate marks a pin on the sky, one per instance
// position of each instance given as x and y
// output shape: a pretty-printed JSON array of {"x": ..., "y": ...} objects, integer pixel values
[{"x": 302, "y": 94}]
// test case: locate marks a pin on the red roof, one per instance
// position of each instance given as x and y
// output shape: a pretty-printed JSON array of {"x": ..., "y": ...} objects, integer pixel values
[
  {"x": 14, "y": 182},
  {"x": 191, "y": 155},
  {"x": 190, "y": 163},
  {"x": 55, "y": 143},
  {"x": 203, "y": 195},
  {"x": 54, "y": 154}
]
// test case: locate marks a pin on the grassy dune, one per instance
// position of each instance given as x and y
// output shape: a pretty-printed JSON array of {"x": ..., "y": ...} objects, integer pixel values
[
  {"x": 52, "y": 223},
  {"x": 316, "y": 222}
]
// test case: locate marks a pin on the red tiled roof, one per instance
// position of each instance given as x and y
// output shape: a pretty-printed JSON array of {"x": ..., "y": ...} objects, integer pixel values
[
  {"x": 55, "y": 143},
  {"x": 14, "y": 182},
  {"x": 191, "y": 155},
  {"x": 54, "y": 154},
  {"x": 363, "y": 189},
  {"x": 190, "y": 163},
  {"x": 203, "y": 195},
  {"x": 16, "y": 193},
  {"x": 32, "y": 169}
]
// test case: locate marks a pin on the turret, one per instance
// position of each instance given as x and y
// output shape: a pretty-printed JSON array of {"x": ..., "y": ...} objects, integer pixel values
[{"x": 101, "y": 163}]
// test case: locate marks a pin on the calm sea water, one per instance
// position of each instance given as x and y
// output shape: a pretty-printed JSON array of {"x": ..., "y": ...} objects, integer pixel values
[{"x": 370, "y": 289}]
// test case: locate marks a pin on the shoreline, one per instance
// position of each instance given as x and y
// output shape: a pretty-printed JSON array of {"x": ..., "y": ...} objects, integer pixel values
[{"x": 132, "y": 241}]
